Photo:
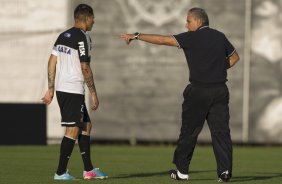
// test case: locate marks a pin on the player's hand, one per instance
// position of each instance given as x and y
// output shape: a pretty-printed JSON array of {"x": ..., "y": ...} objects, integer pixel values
[
  {"x": 95, "y": 102},
  {"x": 47, "y": 99},
  {"x": 127, "y": 38}
]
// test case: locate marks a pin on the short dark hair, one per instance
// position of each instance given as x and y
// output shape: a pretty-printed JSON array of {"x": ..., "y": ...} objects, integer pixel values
[
  {"x": 82, "y": 11},
  {"x": 200, "y": 14}
]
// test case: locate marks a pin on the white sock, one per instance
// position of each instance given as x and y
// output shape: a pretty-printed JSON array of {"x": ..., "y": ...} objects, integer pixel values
[{"x": 182, "y": 176}]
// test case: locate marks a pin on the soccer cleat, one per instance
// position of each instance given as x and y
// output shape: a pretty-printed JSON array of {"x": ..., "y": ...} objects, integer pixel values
[
  {"x": 64, "y": 176},
  {"x": 94, "y": 174},
  {"x": 174, "y": 175},
  {"x": 224, "y": 177},
  {"x": 89, "y": 175}
]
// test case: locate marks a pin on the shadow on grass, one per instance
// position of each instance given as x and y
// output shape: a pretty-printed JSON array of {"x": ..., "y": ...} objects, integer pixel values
[
  {"x": 264, "y": 176},
  {"x": 151, "y": 174}
]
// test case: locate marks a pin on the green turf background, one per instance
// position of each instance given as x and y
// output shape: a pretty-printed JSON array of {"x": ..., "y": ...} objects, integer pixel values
[{"x": 138, "y": 164}]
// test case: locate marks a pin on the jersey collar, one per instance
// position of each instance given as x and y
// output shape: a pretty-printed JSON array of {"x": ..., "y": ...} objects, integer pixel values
[{"x": 202, "y": 27}]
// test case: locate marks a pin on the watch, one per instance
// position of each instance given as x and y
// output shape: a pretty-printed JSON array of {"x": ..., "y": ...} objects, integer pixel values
[{"x": 136, "y": 35}]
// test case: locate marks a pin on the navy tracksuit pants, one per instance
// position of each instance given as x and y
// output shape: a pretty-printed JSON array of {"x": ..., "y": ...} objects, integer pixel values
[{"x": 200, "y": 104}]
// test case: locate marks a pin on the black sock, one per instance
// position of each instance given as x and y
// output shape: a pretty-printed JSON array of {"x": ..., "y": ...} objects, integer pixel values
[
  {"x": 65, "y": 153},
  {"x": 84, "y": 145}
]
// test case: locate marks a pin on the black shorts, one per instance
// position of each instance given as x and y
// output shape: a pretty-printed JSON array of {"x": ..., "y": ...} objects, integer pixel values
[{"x": 73, "y": 109}]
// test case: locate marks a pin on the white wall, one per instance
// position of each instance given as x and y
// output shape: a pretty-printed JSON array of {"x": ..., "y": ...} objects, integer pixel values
[{"x": 28, "y": 29}]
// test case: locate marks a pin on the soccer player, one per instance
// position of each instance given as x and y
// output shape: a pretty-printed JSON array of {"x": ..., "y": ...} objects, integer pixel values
[
  {"x": 209, "y": 54},
  {"x": 69, "y": 63}
]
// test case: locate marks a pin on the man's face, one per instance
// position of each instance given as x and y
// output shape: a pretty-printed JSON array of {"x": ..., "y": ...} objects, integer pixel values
[
  {"x": 89, "y": 22},
  {"x": 192, "y": 23}
]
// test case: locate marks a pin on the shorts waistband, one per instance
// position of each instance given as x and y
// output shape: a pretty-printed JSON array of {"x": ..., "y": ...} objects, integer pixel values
[{"x": 208, "y": 85}]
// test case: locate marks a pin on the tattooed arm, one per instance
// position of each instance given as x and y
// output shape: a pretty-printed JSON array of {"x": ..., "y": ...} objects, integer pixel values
[
  {"x": 47, "y": 99},
  {"x": 88, "y": 78}
]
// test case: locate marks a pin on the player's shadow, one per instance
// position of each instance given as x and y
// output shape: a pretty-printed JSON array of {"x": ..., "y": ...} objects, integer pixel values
[
  {"x": 151, "y": 174},
  {"x": 263, "y": 176}
]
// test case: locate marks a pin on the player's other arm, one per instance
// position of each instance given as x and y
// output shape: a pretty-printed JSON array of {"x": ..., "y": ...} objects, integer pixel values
[
  {"x": 233, "y": 59},
  {"x": 150, "y": 38},
  {"x": 89, "y": 80},
  {"x": 47, "y": 99}
]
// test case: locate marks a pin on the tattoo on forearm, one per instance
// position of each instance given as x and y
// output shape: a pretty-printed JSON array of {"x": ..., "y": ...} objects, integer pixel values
[
  {"x": 90, "y": 84},
  {"x": 88, "y": 77},
  {"x": 51, "y": 79}
]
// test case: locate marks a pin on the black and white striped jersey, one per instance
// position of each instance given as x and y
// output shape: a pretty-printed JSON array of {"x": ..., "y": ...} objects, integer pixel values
[{"x": 72, "y": 47}]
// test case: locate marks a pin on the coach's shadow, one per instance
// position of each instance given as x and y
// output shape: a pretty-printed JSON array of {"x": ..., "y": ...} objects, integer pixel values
[
  {"x": 254, "y": 178},
  {"x": 151, "y": 174}
]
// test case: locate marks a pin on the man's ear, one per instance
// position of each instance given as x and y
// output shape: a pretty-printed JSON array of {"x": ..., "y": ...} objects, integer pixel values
[{"x": 199, "y": 22}]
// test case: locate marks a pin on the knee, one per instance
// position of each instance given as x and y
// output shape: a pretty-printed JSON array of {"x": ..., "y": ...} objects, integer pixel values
[
  {"x": 72, "y": 132},
  {"x": 89, "y": 125},
  {"x": 87, "y": 129},
  {"x": 221, "y": 134}
]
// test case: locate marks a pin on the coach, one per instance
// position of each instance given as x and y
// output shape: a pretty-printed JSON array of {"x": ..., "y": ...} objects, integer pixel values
[{"x": 209, "y": 54}]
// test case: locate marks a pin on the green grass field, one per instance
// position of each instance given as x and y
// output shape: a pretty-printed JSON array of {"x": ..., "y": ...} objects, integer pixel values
[{"x": 137, "y": 164}]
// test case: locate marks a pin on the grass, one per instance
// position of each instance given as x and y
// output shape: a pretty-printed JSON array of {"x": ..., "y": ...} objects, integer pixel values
[{"x": 137, "y": 164}]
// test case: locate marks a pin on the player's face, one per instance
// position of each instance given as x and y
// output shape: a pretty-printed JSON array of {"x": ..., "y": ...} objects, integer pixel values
[
  {"x": 192, "y": 23},
  {"x": 89, "y": 22}
]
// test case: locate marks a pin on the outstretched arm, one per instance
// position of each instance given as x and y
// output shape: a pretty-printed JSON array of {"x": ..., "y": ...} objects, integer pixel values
[
  {"x": 233, "y": 59},
  {"x": 89, "y": 80},
  {"x": 47, "y": 99},
  {"x": 150, "y": 38}
]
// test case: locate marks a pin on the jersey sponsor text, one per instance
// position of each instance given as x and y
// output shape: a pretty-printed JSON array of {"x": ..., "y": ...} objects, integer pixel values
[
  {"x": 81, "y": 48},
  {"x": 64, "y": 50}
]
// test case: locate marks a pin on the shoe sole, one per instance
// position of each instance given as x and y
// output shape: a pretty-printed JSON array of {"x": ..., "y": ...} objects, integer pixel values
[
  {"x": 101, "y": 177},
  {"x": 98, "y": 178},
  {"x": 223, "y": 181},
  {"x": 64, "y": 179}
]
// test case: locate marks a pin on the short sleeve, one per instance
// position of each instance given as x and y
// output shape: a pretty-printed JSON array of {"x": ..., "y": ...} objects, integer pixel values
[
  {"x": 84, "y": 49},
  {"x": 55, "y": 49},
  {"x": 182, "y": 39},
  {"x": 229, "y": 49}
]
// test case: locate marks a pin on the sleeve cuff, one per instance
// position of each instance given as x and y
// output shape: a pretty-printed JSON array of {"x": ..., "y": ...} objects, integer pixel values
[
  {"x": 231, "y": 53},
  {"x": 178, "y": 46},
  {"x": 54, "y": 52}
]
